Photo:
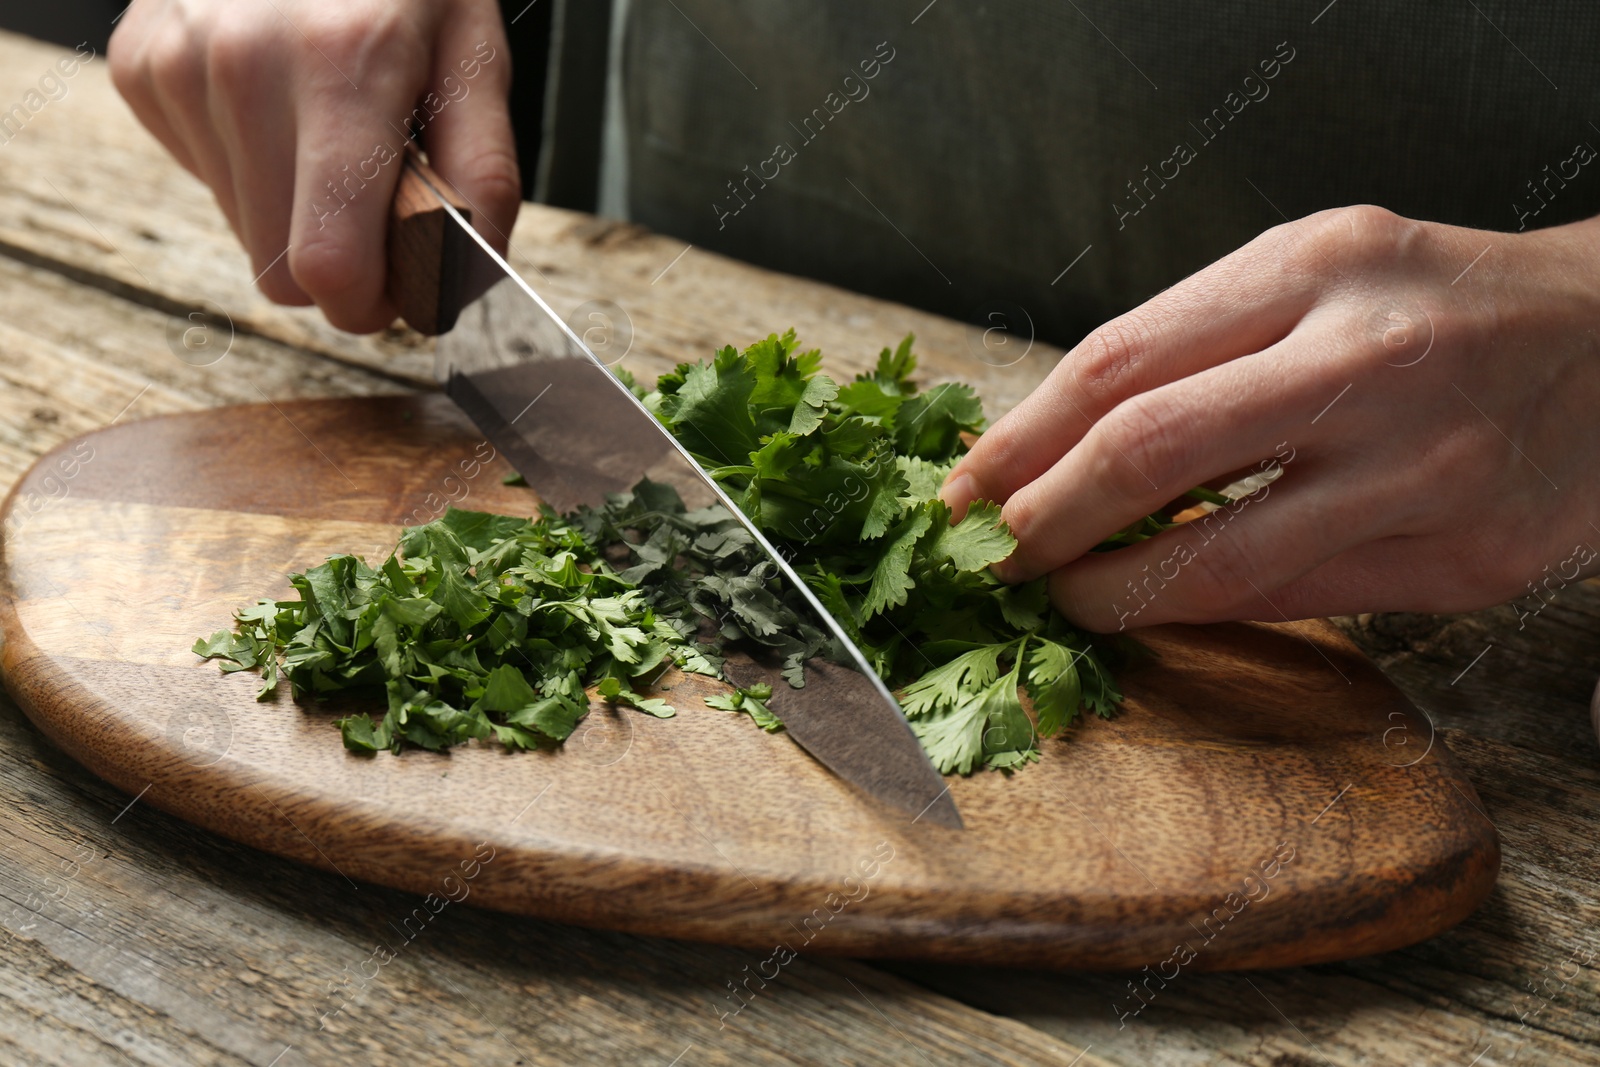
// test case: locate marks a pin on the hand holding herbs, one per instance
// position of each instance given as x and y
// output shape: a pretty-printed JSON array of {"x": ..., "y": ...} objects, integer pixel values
[
  {"x": 1350, "y": 345},
  {"x": 488, "y": 625}
]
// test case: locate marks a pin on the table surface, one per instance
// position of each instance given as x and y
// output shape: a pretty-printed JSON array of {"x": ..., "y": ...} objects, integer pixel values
[{"x": 131, "y": 938}]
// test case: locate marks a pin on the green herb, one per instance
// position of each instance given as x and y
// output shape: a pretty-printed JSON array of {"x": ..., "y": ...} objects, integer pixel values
[
  {"x": 485, "y": 625},
  {"x": 844, "y": 481},
  {"x": 752, "y": 702},
  {"x": 480, "y": 625}
]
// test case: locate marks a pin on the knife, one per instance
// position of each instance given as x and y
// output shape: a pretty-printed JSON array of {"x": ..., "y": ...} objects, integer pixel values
[{"x": 575, "y": 432}]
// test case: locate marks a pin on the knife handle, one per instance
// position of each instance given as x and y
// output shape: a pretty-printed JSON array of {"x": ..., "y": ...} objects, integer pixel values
[{"x": 426, "y": 250}]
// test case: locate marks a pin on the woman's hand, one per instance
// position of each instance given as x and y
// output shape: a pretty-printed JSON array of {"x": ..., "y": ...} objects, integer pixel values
[
  {"x": 1431, "y": 394},
  {"x": 295, "y": 113}
]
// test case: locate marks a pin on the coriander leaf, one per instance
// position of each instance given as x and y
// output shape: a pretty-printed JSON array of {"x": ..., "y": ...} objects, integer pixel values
[
  {"x": 757, "y": 607},
  {"x": 854, "y": 436},
  {"x": 1025, "y": 607},
  {"x": 865, "y": 396},
  {"x": 614, "y": 690},
  {"x": 479, "y": 530},
  {"x": 980, "y": 539},
  {"x": 953, "y": 737},
  {"x": 781, "y": 378},
  {"x": 357, "y": 731},
  {"x": 813, "y": 404},
  {"x": 1007, "y": 727},
  {"x": 885, "y": 488},
  {"x": 1053, "y": 685},
  {"x": 460, "y": 599},
  {"x": 700, "y": 659},
  {"x": 946, "y": 686},
  {"x": 513, "y": 737},
  {"x": 219, "y": 644},
  {"x": 751, "y": 702},
  {"x": 710, "y": 413},
  {"x": 555, "y": 716},
  {"x": 891, "y": 580},
  {"x": 896, "y": 369},
  {"x": 657, "y": 497},
  {"x": 505, "y": 689},
  {"x": 1009, "y": 761},
  {"x": 929, "y": 426},
  {"x": 435, "y": 541},
  {"x": 924, "y": 478}
]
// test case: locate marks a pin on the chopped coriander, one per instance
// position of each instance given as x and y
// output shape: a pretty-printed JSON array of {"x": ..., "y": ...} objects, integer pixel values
[
  {"x": 485, "y": 625},
  {"x": 479, "y": 625},
  {"x": 751, "y": 702}
]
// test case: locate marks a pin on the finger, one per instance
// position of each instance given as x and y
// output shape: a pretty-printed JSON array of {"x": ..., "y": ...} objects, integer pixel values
[
  {"x": 1233, "y": 564},
  {"x": 1404, "y": 573},
  {"x": 347, "y": 164},
  {"x": 1358, "y": 581},
  {"x": 1156, "y": 446},
  {"x": 470, "y": 141},
  {"x": 176, "y": 72},
  {"x": 250, "y": 107},
  {"x": 1237, "y": 306},
  {"x": 128, "y": 55}
]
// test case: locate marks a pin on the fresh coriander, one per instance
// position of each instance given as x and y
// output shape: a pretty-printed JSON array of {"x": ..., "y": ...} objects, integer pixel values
[
  {"x": 478, "y": 626},
  {"x": 487, "y": 625}
]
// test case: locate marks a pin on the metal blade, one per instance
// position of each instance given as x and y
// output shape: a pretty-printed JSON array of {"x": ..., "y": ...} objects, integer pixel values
[{"x": 576, "y": 433}]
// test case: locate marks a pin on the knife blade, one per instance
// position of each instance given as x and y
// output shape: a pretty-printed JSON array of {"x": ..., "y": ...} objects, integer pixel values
[{"x": 576, "y": 433}]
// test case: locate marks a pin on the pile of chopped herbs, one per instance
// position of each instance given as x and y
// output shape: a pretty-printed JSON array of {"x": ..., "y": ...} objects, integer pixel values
[{"x": 488, "y": 625}]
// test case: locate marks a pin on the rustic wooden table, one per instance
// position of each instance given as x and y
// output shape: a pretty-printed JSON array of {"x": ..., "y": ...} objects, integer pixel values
[{"x": 130, "y": 937}]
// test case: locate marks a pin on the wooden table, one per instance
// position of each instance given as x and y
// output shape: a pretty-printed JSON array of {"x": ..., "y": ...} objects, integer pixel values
[{"x": 130, "y": 937}]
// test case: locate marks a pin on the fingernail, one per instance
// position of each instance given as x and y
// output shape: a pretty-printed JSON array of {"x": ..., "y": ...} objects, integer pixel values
[{"x": 958, "y": 492}]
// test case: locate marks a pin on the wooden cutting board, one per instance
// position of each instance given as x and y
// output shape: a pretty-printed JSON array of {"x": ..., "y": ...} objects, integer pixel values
[{"x": 1264, "y": 799}]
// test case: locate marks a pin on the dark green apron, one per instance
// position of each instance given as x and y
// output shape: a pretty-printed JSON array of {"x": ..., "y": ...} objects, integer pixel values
[{"x": 1066, "y": 160}]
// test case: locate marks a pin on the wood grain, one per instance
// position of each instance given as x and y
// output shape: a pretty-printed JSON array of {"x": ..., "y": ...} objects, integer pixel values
[{"x": 1239, "y": 744}]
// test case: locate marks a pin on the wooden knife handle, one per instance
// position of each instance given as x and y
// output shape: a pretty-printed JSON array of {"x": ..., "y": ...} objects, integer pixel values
[{"x": 426, "y": 250}]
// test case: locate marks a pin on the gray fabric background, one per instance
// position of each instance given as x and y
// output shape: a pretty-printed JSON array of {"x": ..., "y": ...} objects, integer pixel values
[{"x": 1002, "y": 133}]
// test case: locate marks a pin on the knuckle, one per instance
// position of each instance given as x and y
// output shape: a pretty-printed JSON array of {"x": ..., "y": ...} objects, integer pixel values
[
  {"x": 1368, "y": 224},
  {"x": 995, "y": 464},
  {"x": 1104, "y": 363},
  {"x": 1358, "y": 236},
  {"x": 233, "y": 59},
  {"x": 328, "y": 270},
  {"x": 1148, "y": 448},
  {"x": 1470, "y": 447},
  {"x": 361, "y": 38},
  {"x": 496, "y": 177},
  {"x": 173, "y": 60},
  {"x": 1219, "y": 581}
]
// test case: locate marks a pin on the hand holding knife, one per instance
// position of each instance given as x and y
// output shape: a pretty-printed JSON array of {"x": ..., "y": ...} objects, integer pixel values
[{"x": 591, "y": 436}]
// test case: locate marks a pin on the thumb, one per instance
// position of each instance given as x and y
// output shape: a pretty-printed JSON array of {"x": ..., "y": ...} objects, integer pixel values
[{"x": 466, "y": 127}]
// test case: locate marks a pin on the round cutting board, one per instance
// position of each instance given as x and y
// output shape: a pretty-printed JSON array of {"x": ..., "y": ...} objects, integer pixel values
[{"x": 1264, "y": 798}]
